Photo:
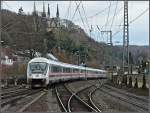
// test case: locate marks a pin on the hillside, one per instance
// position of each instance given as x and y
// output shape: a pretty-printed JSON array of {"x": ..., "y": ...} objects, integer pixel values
[{"x": 68, "y": 43}]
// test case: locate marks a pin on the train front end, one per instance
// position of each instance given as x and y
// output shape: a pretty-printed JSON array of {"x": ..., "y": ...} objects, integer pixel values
[{"x": 37, "y": 73}]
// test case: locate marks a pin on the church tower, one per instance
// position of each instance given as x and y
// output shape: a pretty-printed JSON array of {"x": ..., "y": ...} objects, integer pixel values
[
  {"x": 57, "y": 13},
  {"x": 35, "y": 18},
  {"x": 43, "y": 13},
  {"x": 48, "y": 13},
  {"x": 34, "y": 10}
]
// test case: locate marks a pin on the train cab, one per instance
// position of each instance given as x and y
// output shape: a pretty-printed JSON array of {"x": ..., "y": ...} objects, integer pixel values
[{"x": 37, "y": 72}]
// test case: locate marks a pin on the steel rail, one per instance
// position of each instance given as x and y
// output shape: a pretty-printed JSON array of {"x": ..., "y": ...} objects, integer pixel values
[
  {"x": 13, "y": 99},
  {"x": 127, "y": 94},
  {"x": 33, "y": 101},
  {"x": 92, "y": 102},
  {"x": 126, "y": 100},
  {"x": 60, "y": 101},
  {"x": 13, "y": 93},
  {"x": 91, "y": 93},
  {"x": 79, "y": 99}
]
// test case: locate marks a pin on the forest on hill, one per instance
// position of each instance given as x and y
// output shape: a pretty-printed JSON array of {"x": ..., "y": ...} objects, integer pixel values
[{"x": 25, "y": 33}]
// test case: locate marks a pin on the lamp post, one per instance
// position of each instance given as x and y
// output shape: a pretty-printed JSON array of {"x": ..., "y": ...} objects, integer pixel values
[{"x": 77, "y": 53}]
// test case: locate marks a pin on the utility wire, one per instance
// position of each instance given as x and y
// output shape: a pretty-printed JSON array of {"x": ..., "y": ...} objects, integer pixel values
[
  {"x": 75, "y": 11},
  {"x": 132, "y": 21},
  {"x": 80, "y": 16},
  {"x": 111, "y": 18},
  {"x": 108, "y": 15},
  {"x": 8, "y": 6},
  {"x": 114, "y": 15},
  {"x": 68, "y": 10},
  {"x": 85, "y": 16},
  {"x": 96, "y": 14}
]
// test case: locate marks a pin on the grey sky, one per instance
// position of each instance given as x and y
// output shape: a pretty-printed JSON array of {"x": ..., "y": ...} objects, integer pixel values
[{"x": 138, "y": 30}]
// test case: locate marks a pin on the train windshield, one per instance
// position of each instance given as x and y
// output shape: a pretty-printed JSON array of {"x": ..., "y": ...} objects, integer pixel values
[{"x": 38, "y": 67}]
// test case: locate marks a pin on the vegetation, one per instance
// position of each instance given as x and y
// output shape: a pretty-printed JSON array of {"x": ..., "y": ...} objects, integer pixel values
[
  {"x": 70, "y": 44},
  {"x": 136, "y": 83}
]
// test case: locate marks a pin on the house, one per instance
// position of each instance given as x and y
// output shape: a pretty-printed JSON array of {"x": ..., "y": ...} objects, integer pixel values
[
  {"x": 6, "y": 61},
  {"x": 6, "y": 56}
]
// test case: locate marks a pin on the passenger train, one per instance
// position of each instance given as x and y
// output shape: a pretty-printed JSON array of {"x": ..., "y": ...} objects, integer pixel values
[{"x": 42, "y": 72}]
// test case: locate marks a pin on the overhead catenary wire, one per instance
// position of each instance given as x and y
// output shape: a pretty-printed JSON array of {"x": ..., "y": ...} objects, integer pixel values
[
  {"x": 75, "y": 11},
  {"x": 68, "y": 10},
  {"x": 141, "y": 14},
  {"x": 81, "y": 16},
  {"x": 7, "y": 5},
  {"x": 111, "y": 18},
  {"x": 108, "y": 14},
  {"x": 114, "y": 15},
  {"x": 96, "y": 14},
  {"x": 85, "y": 16}
]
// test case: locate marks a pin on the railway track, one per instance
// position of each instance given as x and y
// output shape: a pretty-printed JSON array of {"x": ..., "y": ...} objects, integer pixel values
[
  {"x": 7, "y": 87},
  {"x": 79, "y": 103},
  {"x": 91, "y": 97},
  {"x": 12, "y": 98},
  {"x": 13, "y": 93},
  {"x": 62, "y": 97},
  {"x": 138, "y": 98},
  {"x": 140, "y": 106},
  {"x": 71, "y": 101},
  {"x": 10, "y": 89},
  {"x": 26, "y": 106}
]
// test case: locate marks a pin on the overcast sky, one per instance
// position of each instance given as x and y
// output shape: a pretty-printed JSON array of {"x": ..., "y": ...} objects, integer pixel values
[{"x": 97, "y": 13}]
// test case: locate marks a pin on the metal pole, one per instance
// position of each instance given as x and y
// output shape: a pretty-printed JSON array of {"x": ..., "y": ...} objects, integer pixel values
[
  {"x": 110, "y": 43},
  {"x": 0, "y": 50},
  {"x": 123, "y": 42},
  {"x": 125, "y": 36},
  {"x": 149, "y": 62}
]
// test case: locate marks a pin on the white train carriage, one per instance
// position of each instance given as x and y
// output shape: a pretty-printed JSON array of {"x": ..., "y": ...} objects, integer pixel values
[{"x": 42, "y": 71}]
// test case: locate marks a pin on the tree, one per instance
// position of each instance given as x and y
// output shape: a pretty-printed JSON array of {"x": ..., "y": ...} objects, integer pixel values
[
  {"x": 136, "y": 83},
  {"x": 131, "y": 61},
  {"x": 130, "y": 81},
  {"x": 144, "y": 82},
  {"x": 20, "y": 11},
  {"x": 51, "y": 41},
  {"x": 83, "y": 52}
]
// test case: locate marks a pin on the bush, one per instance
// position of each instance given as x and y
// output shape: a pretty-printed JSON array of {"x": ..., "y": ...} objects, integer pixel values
[
  {"x": 130, "y": 82},
  {"x": 144, "y": 82},
  {"x": 136, "y": 83}
]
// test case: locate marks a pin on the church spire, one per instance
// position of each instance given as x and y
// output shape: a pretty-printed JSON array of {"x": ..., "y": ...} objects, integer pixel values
[
  {"x": 48, "y": 13},
  {"x": 34, "y": 9},
  {"x": 43, "y": 14},
  {"x": 57, "y": 13}
]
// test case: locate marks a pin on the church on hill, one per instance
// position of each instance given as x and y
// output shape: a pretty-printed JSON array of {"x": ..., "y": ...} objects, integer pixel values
[{"x": 48, "y": 22}]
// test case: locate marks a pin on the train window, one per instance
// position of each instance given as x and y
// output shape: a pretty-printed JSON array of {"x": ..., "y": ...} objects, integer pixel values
[
  {"x": 38, "y": 67},
  {"x": 55, "y": 68},
  {"x": 75, "y": 70},
  {"x": 82, "y": 71},
  {"x": 88, "y": 71},
  {"x": 96, "y": 72},
  {"x": 67, "y": 70}
]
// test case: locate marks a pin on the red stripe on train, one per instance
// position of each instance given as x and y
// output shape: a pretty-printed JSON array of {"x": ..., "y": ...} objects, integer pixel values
[{"x": 71, "y": 74}]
